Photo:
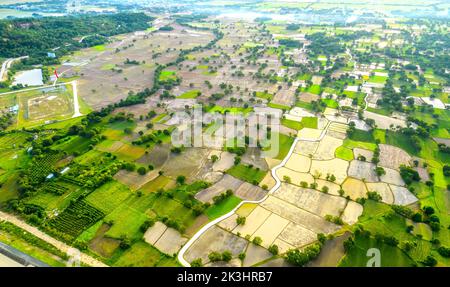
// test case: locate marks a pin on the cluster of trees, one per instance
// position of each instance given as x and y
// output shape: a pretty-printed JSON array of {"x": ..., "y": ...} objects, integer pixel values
[
  {"x": 6, "y": 120},
  {"x": 37, "y": 36}
]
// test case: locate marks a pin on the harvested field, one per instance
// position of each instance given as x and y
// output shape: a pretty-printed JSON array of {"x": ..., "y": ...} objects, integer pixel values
[
  {"x": 101, "y": 245},
  {"x": 337, "y": 167},
  {"x": 351, "y": 212},
  {"x": 393, "y": 157},
  {"x": 363, "y": 152},
  {"x": 278, "y": 262},
  {"x": 327, "y": 147},
  {"x": 363, "y": 170},
  {"x": 402, "y": 196},
  {"x": 306, "y": 219},
  {"x": 249, "y": 191},
  {"x": 306, "y": 148},
  {"x": 295, "y": 177},
  {"x": 311, "y": 200},
  {"x": 298, "y": 163},
  {"x": 331, "y": 253},
  {"x": 297, "y": 235},
  {"x": 188, "y": 163},
  {"x": 255, "y": 254},
  {"x": 227, "y": 182},
  {"x": 354, "y": 188},
  {"x": 155, "y": 232},
  {"x": 133, "y": 179},
  {"x": 383, "y": 190},
  {"x": 253, "y": 221},
  {"x": 308, "y": 97},
  {"x": 225, "y": 162},
  {"x": 215, "y": 239},
  {"x": 170, "y": 242},
  {"x": 392, "y": 177},
  {"x": 384, "y": 122},
  {"x": 199, "y": 222},
  {"x": 156, "y": 157},
  {"x": 333, "y": 188},
  {"x": 229, "y": 223},
  {"x": 309, "y": 134},
  {"x": 268, "y": 180},
  {"x": 270, "y": 229}
]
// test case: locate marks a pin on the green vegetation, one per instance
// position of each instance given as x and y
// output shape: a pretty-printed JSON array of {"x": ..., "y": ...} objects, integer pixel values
[
  {"x": 225, "y": 206},
  {"x": 247, "y": 173}
]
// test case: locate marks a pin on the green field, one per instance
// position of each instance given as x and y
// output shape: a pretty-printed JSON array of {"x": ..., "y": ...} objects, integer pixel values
[
  {"x": 190, "y": 94},
  {"x": 344, "y": 153},
  {"x": 246, "y": 173},
  {"x": 109, "y": 196},
  {"x": 225, "y": 206}
]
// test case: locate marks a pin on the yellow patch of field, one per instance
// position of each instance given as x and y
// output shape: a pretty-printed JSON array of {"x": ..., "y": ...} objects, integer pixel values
[
  {"x": 306, "y": 148},
  {"x": 270, "y": 229},
  {"x": 354, "y": 188},
  {"x": 309, "y": 134},
  {"x": 383, "y": 190},
  {"x": 113, "y": 134},
  {"x": 246, "y": 209},
  {"x": 333, "y": 188},
  {"x": 295, "y": 177},
  {"x": 337, "y": 167},
  {"x": 268, "y": 180},
  {"x": 253, "y": 221},
  {"x": 327, "y": 147},
  {"x": 299, "y": 163},
  {"x": 130, "y": 152}
]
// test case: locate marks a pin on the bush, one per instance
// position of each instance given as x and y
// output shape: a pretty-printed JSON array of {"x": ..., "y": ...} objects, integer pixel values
[
  {"x": 142, "y": 170},
  {"x": 240, "y": 220},
  {"x": 300, "y": 258},
  {"x": 197, "y": 263},
  {"x": 257, "y": 240},
  {"x": 444, "y": 251},
  {"x": 273, "y": 249}
]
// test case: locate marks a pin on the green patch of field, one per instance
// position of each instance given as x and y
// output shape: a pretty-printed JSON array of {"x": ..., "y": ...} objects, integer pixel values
[
  {"x": 74, "y": 144},
  {"x": 90, "y": 233},
  {"x": 109, "y": 196},
  {"x": 361, "y": 136},
  {"x": 284, "y": 145},
  {"x": 292, "y": 124},
  {"x": 390, "y": 256},
  {"x": 159, "y": 118},
  {"x": 99, "y": 48},
  {"x": 350, "y": 144},
  {"x": 142, "y": 254},
  {"x": 225, "y": 206},
  {"x": 246, "y": 173},
  {"x": 159, "y": 182},
  {"x": 50, "y": 201},
  {"x": 314, "y": 89},
  {"x": 108, "y": 67},
  {"x": 344, "y": 153},
  {"x": 278, "y": 106},
  {"x": 264, "y": 95},
  {"x": 331, "y": 103},
  {"x": 379, "y": 135},
  {"x": 126, "y": 222},
  {"x": 190, "y": 94},
  {"x": 130, "y": 152},
  {"x": 310, "y": 122},
  {"x": 383, "y": 112},
  {"x": 231, "y": 110},
  {"x": 304, "y": 105},
  {"x": 166, "y": 76}
]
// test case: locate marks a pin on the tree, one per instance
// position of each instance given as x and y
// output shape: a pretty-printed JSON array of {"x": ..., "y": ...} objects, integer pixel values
[
  {"x": 240, "y": 220},
  {"x": 197, "y": 263},
  {"x": 273, "y": 249},
  {"x": 141, "y": 170},
  {"x": 181, "y": 179},
  {"x": 380, "y": 171},
  {"x": 214, "y": 158},
  {"x": 257, "y": 240},
  {"x": 226, "y": 256}
]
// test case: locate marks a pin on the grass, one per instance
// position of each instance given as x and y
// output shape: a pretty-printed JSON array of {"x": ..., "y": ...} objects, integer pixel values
[
  {"x": 278, "y": 106},
  {"x": 190, "y": 94},
  {"x": 159, "y": 182},
  {"x": 362, "y": 136},
  {"x": 215, "y": 211},
  {"x": 231, "y": 110},
  {"x": 351, "y": 144},
  {"x": 390, "y": 256},
  {"x": 264, "y": 95},
  {"x": 99, "y": 48},
  {"x": 344, "y": 153},
  {"x": 126, "y": 221},
  {"x": 109, "y": 196},
  {"x": 247, "y": 173},
  {"x": 292, "y": 124},
  {"x": 331, "y": 103},
  {"x": 310, "y": 122},
  {"x": 142, "y": 254},
  {"x": 314, "y": 89},
  {"x": 167, "y": 76}
]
